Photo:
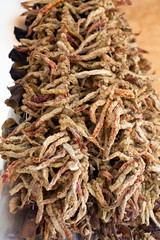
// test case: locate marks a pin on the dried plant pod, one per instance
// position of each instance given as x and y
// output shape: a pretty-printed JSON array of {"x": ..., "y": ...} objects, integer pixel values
[{"x": 85, "y": 152}]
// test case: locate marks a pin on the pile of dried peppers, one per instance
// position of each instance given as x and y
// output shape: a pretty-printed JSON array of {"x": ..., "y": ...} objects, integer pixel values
[{"x": 84, "y": 154}]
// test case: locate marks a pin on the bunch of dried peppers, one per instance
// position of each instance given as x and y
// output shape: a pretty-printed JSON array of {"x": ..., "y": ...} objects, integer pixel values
[{"x": 85, "y": 151}]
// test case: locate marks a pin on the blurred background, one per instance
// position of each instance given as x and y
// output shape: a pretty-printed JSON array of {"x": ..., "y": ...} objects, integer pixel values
[{"x": 144, "y": 18}]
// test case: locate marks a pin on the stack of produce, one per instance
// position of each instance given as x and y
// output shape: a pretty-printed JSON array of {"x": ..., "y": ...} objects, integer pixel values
[{"x": 84, "y": 155}]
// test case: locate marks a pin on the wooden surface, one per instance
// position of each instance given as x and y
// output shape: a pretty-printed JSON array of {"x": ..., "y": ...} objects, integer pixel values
[{"x": 144, "y": 17}]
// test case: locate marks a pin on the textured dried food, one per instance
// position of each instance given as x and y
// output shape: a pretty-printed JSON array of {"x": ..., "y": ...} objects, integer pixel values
[{"x": 84, "y": 156}]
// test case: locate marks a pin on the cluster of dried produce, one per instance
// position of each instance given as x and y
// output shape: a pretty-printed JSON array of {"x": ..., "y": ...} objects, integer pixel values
[{"x": 84, "y": 156}]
